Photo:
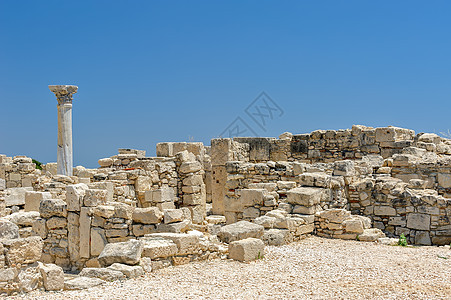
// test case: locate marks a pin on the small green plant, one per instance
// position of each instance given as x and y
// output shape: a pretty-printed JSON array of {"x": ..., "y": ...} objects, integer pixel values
[
  {"x": 357, "y": 238},
  {"x": 402, "y": 240},
  {"x": 38, "y": 164},
  {"x": 259, "y": 255}
]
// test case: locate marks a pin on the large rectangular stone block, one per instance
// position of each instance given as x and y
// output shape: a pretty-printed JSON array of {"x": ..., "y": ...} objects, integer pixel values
[
  {"x": 418, "y": 221},
  {"x": 305, "y": 196},
  {"x": 33, "y": 200},
  {"x": 251, "y": 197}
]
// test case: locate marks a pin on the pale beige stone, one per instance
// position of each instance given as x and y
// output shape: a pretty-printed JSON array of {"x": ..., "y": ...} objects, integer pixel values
[{"x": 247, "y": 249}]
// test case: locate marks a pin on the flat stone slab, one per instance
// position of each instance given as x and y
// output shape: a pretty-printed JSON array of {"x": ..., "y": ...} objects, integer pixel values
[
  {"x": 239, "y": 231},
  {"x": 80, "y": 283},
  {"x": 246, "y": 250}
]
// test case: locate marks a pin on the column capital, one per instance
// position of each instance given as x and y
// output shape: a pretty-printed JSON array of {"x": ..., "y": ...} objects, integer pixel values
[{"x": 63, "y": 93}]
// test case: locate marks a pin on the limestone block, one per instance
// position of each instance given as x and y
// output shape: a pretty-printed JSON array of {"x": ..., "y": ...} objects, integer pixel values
[
  {"x": 269, "y": 186},
  {"x": 391, "y": 134},
  {"x": 306, "y": 210},
  {"x": 240, "y": 230},
  {"x": 251, "y": 197},
  {"x": 53, "y": 207},
  {"x": 215, "y": 219},
  {"x": 251, "y": 213},
  {"x": 305, "y": 229},
  {"x": 335, "y": 215},
  {"x": 2, "y": 184},
  {"x": 23, "y": 250},
  {"x": 265, "y": 221},
  {"x": 33, "y": 200},
  {"x": 165, "y": 150},
  {"x": 74, "y": 196},
  {"x": 192, "y": 199},
  {"x": 286, "y": 185},
  {"x": 354, "y": 225},
  {"x": 40, "y": 228},
  {"x": 106, "y": 274},
  {"x": 418, "y": 221},
  {"x": 81, "y": 283},
  {"x": 98, "y": 241},
  {"x": 85, "y": 232},
  {"x": 123, "y": 211},
  {"x": 197, "y": 213},
  {"x": 275, "y": 237},
  {"x": 193, "y": 180},
  {"x": 106, "y": 162},
  {"x": 190, "y": 167},
  {"x": 56, "y": 222},
  {"x": 29, "y": 278},
  {"x": 190, "y": 189},
  {"x": 246, "y": 250},
  {"x": 154, "y": 247},
  {"x": 148, "y": 215},
  {"x": 177, "y": 227},
  {"x": 95, "y": 197},
  {"x": 141, "y": 230},
  {"x": 422, "y": 238},
  {"x": 124, "y": 252},
  {"x": 172, "y": 215},
  {"x": 104, "y": 211},
  {"x": 104, "y": 185},
  {"x": 128, "y": 271},
  {"x": 305, "y": 196},
  {"x": 186, "y": 243},
  {"x": 8, "y": 230},
  {"x": 371, "y": 235},
  {"x": 165, "y": 205},
  {"x": 22, "y": 218},
  {"x": 344, "y": 168},
  {"x": 444, "y": 180},
  {"x": 384, "y": 211},
  {"x": 53, "y": 276},
  {"x": 164, "y": 194},
  {"x": 16, "y": 196},
  {"x": 219, "y": 176}
]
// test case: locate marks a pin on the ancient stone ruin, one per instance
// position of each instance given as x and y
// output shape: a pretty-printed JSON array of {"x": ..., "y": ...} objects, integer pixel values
[{"x": 135, "y": 214}]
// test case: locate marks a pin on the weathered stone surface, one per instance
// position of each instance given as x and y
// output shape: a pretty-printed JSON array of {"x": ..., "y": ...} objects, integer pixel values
[
  {"x": 128, "y": 271},
  {"x": 384, "y": 211},
  {"x": 186, "y": 243},
  {"x": 148, "y": 215},
  {"x": 275, "y": 237},
  {"x": 418, "y": 221},
  {"x": 247, "y": 249},
  {"x": 22, "y": 218},
  {"x": 56, "y": 222},
  {"x": 95, "y": 197},
  {"x": 53, "y": 207},
  {"x": 335, "y": 215},
  {"x": 177, "y": 227},
  {"x": 371, "y": 235},
  {"x": 23, "y": 250},
  {"x": 53, "y": 276},
  {"x": 81, "y": 283},
  {"x": 305, "y": 196},
  {"x": 444, "y": 180},
  {"x": 98, "y": 241},
  {"x": 154, "y": 247},
  {"x": 344, "y": 168},
  {"x": 33, "y": 200},
  {"x": 104, "y": 211},
  {"x": 251, "y": 197},
  {"x": 106, "y": 274},
  {"x": 190, "y": 167},
  {"x": 240, "y": 230},
  {"x": 172, "y": 215},
  {"x": 16, "y": 196},
  {"x": 125, "y": 252},
  {"x": 74, "y": 196},
  {"x": 354, "y": 225},
  {"x": 215, "y": 219}
]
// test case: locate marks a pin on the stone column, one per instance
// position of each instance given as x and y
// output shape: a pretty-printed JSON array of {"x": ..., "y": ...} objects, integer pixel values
[{"x": 64, "y": 95}]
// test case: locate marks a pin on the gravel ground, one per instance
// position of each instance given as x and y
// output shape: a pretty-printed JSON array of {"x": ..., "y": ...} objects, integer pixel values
[{"x": 314, "y": 268}]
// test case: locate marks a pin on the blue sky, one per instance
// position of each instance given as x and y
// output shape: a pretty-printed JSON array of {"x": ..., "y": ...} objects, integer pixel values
[{"x": 153, "y": 71}]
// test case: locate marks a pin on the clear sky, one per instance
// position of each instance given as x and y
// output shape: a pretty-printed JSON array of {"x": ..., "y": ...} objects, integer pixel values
[{"x": 153, "y": 71}]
